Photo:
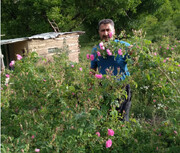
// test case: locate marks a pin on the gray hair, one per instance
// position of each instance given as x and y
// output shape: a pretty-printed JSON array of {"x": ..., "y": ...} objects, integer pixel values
[{"x": 106, "y": 21}]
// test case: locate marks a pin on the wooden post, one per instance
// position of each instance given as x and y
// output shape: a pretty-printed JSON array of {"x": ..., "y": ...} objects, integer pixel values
[
  {"x": 2, "y": 60},
  {"x": 2, "y": 57}
]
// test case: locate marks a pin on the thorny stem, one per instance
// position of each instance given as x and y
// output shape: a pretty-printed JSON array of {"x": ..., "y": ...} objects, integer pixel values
[{"x": 169, "y": 80}]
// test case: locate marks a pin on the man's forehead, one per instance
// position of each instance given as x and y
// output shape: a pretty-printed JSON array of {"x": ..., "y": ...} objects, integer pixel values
[{"x": 105, "y": 26}]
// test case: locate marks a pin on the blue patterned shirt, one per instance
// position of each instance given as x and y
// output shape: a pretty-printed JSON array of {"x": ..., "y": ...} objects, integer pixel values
[{"x": 111, "y": 62}]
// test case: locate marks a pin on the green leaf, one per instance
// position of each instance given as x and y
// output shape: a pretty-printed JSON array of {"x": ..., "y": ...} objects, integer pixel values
[{"x": 148, "y": 76}]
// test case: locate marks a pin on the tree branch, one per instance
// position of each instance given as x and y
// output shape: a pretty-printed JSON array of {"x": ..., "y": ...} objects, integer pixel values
[{"x": 169, "y": 80}]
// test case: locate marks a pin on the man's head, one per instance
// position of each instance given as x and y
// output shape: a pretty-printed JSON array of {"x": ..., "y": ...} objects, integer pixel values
[{"x": 106, "y": 26}]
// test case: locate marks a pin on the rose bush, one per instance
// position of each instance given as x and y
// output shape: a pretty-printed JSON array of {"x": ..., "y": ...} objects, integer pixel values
[
  {"x": 59, "y": 106},
  {"x": 109, "y": 48}
]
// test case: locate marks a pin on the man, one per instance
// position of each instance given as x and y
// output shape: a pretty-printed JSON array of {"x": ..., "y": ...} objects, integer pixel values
[{"x": 106, "y": 27}]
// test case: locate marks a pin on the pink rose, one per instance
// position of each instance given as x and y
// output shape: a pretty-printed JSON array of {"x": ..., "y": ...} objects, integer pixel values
[
  {"x": 80, "y": 68},
  {"x": 120, "y": 52},
  {"x": 72, "y": 65},
  {"x": 101, "y": 45},
  {"x": 155, "y": 54},
  {"x": 99, "y": 76},
  {"x": 37, "y": 150},
  {"x": 109, "y": 52},
  {"x": 19, "y": 57},
  {"x": 98, "y": 134},
  {"x": 33, "y": 137},
  {"x": 88, "y": 56},
  {"x": 7, "y": 75},
  {"x": 110, "y": 132},
  {"x": 108, "y": 143},
  {"x": 12, "y": 63},
  {"x": 110, "y": 35},
  {"x": 102, "y": 48},
  {"x": 164, "y": 61},
  {"x": 92, "y": 57},
  {"x": 98, "y": 53}
]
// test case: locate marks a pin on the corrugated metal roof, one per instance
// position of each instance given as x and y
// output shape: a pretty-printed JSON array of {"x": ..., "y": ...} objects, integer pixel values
[
  {"x": 9, "y": 41},
  {"x": 49, "y": 35}
]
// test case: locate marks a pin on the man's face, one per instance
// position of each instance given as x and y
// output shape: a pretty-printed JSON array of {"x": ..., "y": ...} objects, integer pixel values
[{"x": 105, "y": 30}]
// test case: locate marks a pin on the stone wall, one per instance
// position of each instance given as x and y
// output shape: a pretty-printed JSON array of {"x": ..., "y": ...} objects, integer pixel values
[{"x": 46, "y": 47}]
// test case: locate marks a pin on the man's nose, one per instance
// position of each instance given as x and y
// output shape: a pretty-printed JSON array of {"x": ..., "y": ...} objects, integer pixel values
[{"x": 106, "y": 33}]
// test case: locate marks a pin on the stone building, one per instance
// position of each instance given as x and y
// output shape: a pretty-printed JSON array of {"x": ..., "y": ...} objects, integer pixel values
[{"x": 45, "y": 44}]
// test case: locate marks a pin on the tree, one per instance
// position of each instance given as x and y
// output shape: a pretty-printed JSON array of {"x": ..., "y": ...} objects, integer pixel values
[
  {"x": 95, "y": 10},
  {"x": 22, "y": 18}
]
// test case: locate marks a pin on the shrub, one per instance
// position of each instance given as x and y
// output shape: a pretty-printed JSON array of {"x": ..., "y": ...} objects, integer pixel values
[{"x": 59, "y": 106}]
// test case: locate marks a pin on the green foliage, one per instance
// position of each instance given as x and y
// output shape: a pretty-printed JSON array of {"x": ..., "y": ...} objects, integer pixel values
[
  {"x": 59, "y": 106},
  {"x": 24, "y": 18},
  {"x": 27, "y": 17},
  {"x": 155, "y": 76}
]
